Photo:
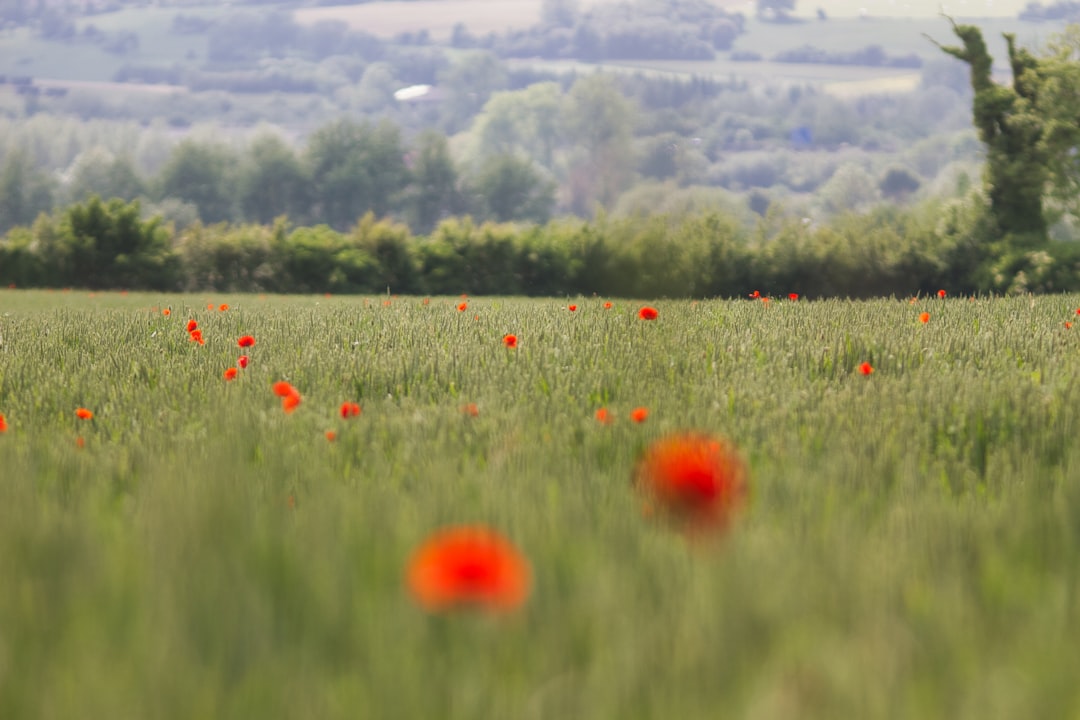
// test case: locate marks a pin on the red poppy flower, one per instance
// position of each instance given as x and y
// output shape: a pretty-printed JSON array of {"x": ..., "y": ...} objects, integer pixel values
[
  {"x": 603, "y": 416},
  {"x": 941, "y": 293},
  {"x": 242, "y": 361},
  {"x": 510, "y": 341},
  {"x": 291, "y": 402},
  {"x": 572, "y": 308},
  {"x": 639, "y": 415},
  {"x": 607, "y": 306},
  {"x": 191, "y": 325},
  {"x": 470, "y": 566},
  {"x": 924, "y": 317},
  {"x": 3, "y": 423},
  {"x": 425, "y": 301},
  {"x": 349, "y": 409},
  {"x": 1078, "y": 311},
  {"x": 84, "y": 414},
  {"x": 1068, "y": 325},
  {"x": 283, "y": 389},
  {"x": 765, "y": 300},
  {"x": 166, "y": 312},
  {"x": 209, "y": 306},
  {"x": 793, "y": 296},
  {"x": 755, "y": 295},
  {"x": 223, "y": 307},
  {"x": 647, "y": 313},
  {"x": 695, "y": 479},
  {"x": 230, "y": 374},
  {"x": 470, "y": 409},
  {"x": 246, "y": 341},
  {"x": 196, "y": 336},
  {"x": 331, "y": 436},
  {"x": 463, "y": 307},
  {"x": 866, "y": 368}
]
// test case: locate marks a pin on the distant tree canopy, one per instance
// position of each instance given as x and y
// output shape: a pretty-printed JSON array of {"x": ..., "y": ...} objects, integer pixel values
[
  {"x": 774, "y": 9},
  {"x": 1068, "y": 10},
  {"x": 644, "y": 29},
  {"x": 1031, "y": 129}
]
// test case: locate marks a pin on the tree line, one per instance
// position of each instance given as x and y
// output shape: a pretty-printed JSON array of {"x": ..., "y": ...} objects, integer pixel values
[
  {"x": 889, "y": 251},
  {"x": 345, "y": 169}
]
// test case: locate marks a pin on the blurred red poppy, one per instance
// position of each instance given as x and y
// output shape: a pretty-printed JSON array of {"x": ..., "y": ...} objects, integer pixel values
[
  {"x": 647, "y": 313},
  {"x": 230, "y": 373},
  {"x": 510, "y": 341},
  {"x": 639, "y": 415},
  {"x": 469, "y": 566},
  {"x": 699, "y": 481},
  {"x": 246, "y": 341},
  {"x": 291, "y": 402}
]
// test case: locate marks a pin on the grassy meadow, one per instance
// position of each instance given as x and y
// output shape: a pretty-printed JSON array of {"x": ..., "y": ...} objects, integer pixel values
[{"x": 911, "y": 548}]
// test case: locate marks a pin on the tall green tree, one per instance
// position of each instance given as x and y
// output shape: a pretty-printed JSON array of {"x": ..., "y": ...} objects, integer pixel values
[
  {"x": 201, "y": 174},
  {"x": 433, "y": 192},
  {"x": 355, "y": 168},
  {"x": 1059, "y": 105},
  {"x": 511, "y": 188},
  {"x": 520, "y": 121},
  {"x": 110, "y": 246},
  {"x": 1014, "y": 131},
  {"x": 98, "y": 172},
  {"x": 597, "y": 121},
  {"x": 25, "y": 191},
  {"x": 273, "y": 182}
]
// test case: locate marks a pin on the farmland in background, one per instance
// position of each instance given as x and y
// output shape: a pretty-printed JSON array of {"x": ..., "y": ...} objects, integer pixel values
[{"x": 910, "y": 549}]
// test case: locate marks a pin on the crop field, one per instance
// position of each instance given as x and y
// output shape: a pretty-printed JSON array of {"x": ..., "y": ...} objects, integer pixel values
[{"x": 908, "y": 546}]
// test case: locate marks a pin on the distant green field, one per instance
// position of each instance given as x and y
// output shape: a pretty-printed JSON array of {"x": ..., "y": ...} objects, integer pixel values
[
  {"x": 914, "y": 8},
  {"x": 910, "y": 549}
]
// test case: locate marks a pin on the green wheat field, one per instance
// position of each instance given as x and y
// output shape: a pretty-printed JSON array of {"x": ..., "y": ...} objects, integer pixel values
[{"x": 911, "y": 548}]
